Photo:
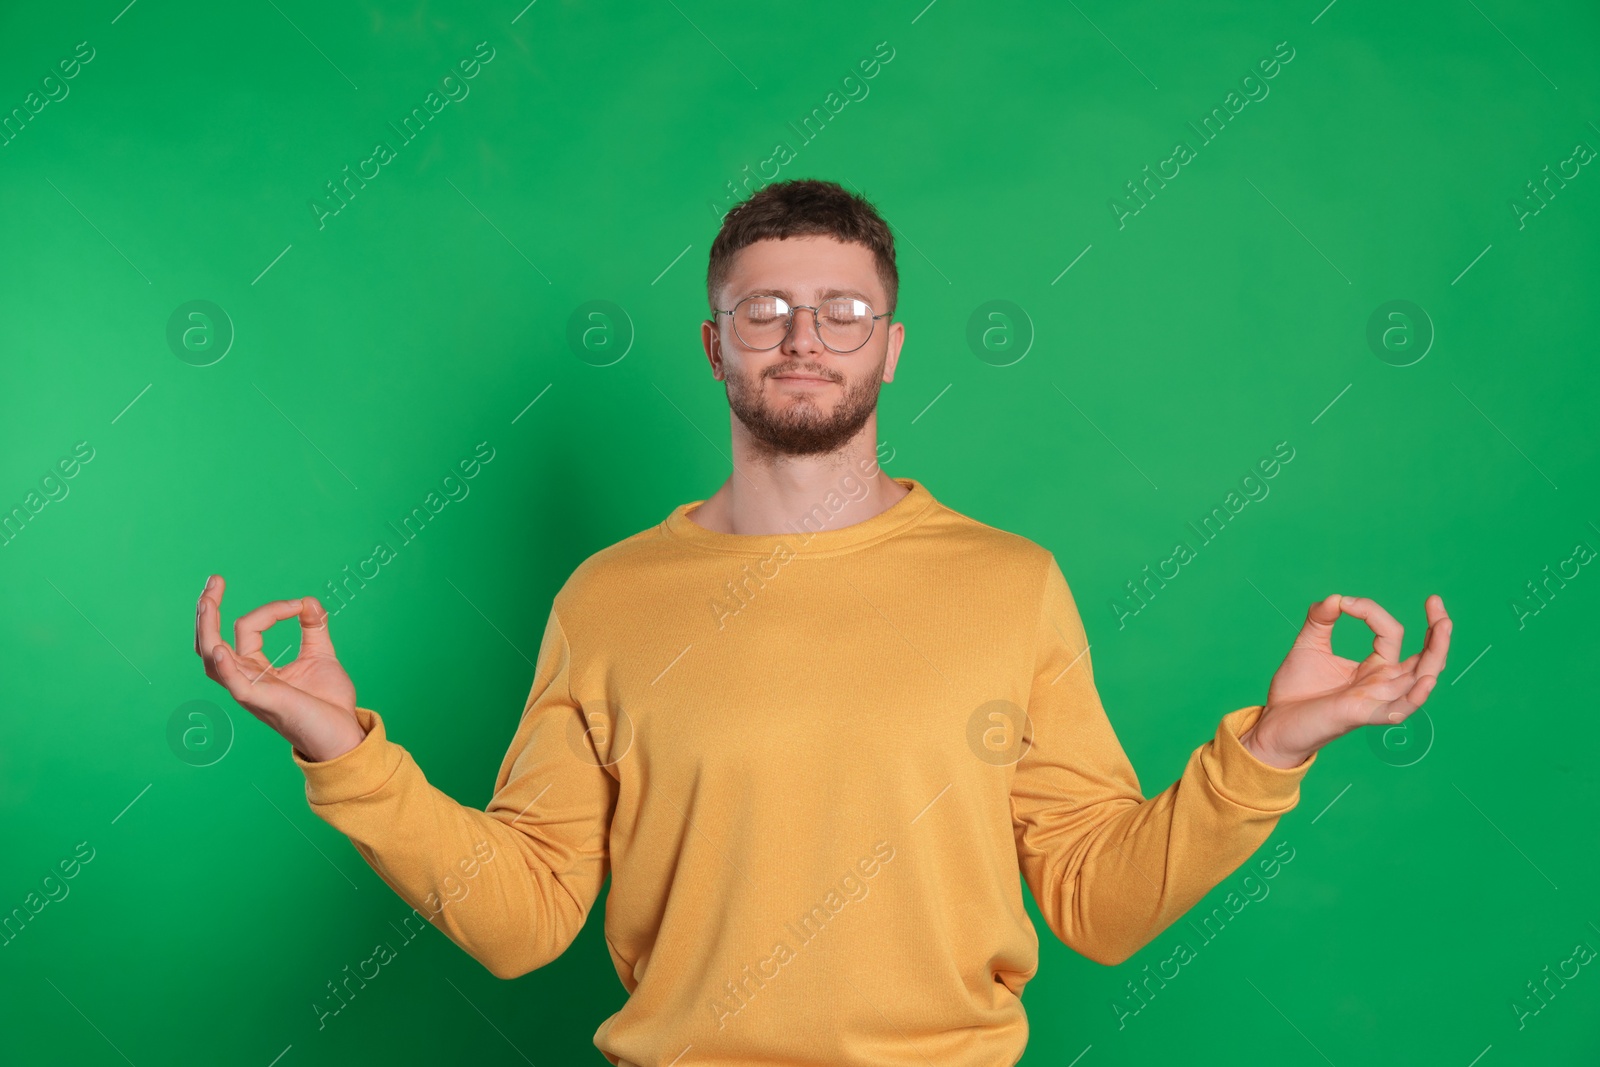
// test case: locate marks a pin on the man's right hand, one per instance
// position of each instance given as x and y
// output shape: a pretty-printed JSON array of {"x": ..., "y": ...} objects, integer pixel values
[{"x": 310, "y": 701}]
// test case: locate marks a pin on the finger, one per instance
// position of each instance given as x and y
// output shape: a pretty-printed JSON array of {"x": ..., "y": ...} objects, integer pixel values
[
  {"x": 1387, "y": 633},
  {"x": 1437, "y": 643},
  {"x": 1317, "y": 632},
  {"x": 1400, "y": 709},
  {"x": 207, "y": 618},
  {"x": 248, "y": 628},
  {"x": 314, "y": 636},
  {"x": 236, "y": 678}
]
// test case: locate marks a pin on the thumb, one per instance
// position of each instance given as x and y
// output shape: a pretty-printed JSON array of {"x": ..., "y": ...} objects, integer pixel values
[
  {"x": 1318, "y": 629},
  {"x": 314, "y": 636}
]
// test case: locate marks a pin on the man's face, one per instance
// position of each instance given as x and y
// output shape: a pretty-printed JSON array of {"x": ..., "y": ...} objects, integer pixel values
[{"x": 802, "y": 398}]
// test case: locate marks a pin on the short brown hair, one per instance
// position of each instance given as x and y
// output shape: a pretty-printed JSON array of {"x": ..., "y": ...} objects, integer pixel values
[{"x": 803, "y": 207}]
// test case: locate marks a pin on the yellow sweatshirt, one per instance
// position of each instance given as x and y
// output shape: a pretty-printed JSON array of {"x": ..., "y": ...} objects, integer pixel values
[{"x": 814, "y": 765}]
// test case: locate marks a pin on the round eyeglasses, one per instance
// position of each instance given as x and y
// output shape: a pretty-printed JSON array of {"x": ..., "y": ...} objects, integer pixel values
[{"x": 762, "y": 321}]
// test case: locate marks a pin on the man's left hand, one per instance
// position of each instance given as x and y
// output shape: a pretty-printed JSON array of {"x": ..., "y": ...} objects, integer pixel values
[{"x": 1316, "y": 696}]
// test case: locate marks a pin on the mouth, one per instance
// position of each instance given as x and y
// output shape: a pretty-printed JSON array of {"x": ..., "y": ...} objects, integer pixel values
[{"x": 807, "y": 378}]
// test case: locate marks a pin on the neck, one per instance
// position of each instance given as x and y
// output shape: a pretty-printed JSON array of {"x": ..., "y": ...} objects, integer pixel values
[{"x": 775, "y": 493}]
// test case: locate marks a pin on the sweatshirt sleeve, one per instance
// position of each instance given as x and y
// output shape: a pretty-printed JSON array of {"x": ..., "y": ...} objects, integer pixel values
[
  {"x": 511, "y": 884},
  {"x": 1109, "y": 868}
]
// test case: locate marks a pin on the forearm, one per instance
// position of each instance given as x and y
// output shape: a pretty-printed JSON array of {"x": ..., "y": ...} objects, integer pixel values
[
  {"x": 513, "y": 901},
  {"x": 1137, "y": 866}
]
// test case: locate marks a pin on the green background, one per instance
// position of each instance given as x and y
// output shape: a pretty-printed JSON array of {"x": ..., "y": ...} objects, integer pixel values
[{"x": 1436, "y": 871}]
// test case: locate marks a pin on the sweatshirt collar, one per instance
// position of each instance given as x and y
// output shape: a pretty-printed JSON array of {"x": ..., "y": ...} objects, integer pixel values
[{"x": 813, "y": 535}]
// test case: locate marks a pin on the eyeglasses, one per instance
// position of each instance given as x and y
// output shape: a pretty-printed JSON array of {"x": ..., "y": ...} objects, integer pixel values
[{"x": 762, "y": 321}]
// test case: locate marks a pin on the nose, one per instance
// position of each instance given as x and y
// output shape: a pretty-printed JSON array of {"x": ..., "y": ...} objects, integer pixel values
[{"x": 803, "y": 338}]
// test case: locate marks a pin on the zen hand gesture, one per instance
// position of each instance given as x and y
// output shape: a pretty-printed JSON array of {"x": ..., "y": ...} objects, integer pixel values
[
  {"x": 311, "y": 701},
  {"x": 1316, "y": 696}
]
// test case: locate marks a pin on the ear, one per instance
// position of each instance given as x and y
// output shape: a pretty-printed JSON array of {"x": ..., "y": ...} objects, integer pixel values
[
  {"x": 897, "y": 337},
  {"x": 711, "y": 341}
]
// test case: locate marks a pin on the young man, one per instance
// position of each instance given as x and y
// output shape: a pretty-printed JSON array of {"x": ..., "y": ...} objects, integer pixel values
[{"x": 814, "y": 726}]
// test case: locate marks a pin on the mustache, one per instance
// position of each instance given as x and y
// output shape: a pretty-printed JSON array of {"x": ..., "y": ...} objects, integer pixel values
[{"x": 809, "y": 372}]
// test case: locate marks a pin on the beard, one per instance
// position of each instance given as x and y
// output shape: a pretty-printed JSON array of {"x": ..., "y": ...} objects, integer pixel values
[{"x": 801, "y": 424}]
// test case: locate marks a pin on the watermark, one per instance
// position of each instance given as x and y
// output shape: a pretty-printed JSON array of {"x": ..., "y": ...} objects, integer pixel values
[
  {"x": 1539, "y": 996},
  {"x": 999, "y": 733},
  {"x": 384, "y": 953},
  {"x": 1404, "y": 743},
  {"x": 783, "y": 153},
  {"x": 200, "y": 333},
  {"x": 55, "y": 90},
  {"x": 1539, "y": 196},
  {"x": 383, "y": 153},
  {"x": 1255, "y": 89},
  {"x": 999, "y": 332},
  {"x": 1539, "y": 597},
  {"x": 600, "y": 735},
  {"x": 55, "y": 890},
  {"x": 739, "y": 992},
  {"x": 1142, "y": 992},
  {"x": 199, "y": 733},
  {"x": 599, "y": 332},
  {"x": 739, "y": 592},
  {"x": 1255, "y": 490},
  {"x": 1399, "y": 332},
  {"x": 455, "y": 489},
  {"x": 16, "y": 519}
]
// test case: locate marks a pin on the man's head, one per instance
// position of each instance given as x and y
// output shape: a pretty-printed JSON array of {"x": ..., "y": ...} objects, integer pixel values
[{"x": 802, "y": 240}]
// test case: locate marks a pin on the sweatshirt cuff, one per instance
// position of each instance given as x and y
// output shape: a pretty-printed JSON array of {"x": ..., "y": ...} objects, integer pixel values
[
  {"x": 356, "y": 773},
  {"x": 1238, "y": 776}
]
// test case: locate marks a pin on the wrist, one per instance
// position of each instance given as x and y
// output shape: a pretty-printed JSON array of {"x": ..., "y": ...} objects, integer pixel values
[
  {"x": 330, "y": 745},
  {"x": 1262, "y": 748}
]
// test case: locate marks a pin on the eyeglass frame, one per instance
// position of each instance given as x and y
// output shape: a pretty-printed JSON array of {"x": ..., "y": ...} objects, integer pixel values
[{"x": 816, "y": 326}]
